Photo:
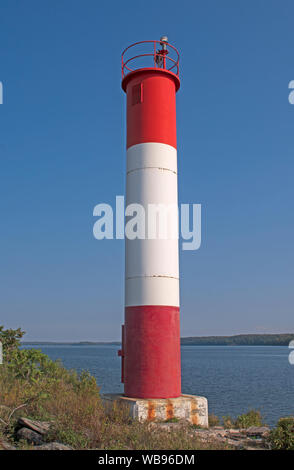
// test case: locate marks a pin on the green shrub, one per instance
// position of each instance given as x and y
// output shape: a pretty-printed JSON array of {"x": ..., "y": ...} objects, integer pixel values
[
  {"x": 282, "y": 437},
  {"x": 252, "y": 418},
  {"x": 31, "y": 365},
  {"x": 10, "y": 341}
]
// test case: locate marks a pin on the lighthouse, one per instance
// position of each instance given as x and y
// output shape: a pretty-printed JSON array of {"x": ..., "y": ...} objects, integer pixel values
[
  {"x": 150, "y": 352},
  {"x": 151, "y": 333}
]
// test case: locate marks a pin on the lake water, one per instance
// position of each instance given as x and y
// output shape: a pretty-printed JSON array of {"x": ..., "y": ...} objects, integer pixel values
[{"x": 234, "y": 379}]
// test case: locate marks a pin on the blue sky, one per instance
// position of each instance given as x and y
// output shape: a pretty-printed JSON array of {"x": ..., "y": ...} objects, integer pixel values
[{"x": 62, "y": 151}]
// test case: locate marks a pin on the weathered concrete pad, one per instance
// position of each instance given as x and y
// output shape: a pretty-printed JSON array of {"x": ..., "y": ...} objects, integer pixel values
[{"x": 186, "y": 407}]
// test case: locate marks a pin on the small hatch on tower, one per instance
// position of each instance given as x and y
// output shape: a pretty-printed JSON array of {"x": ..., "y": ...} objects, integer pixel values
[{"x": 137, "y": 94}]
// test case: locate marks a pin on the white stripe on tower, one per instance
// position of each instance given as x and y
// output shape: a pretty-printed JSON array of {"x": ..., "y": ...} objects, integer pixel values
[{"x": 152, "y": 266}]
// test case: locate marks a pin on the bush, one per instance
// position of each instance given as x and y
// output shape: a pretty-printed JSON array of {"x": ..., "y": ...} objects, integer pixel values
[
  {"x": 252, "y": 418},
  {"x": 282, "y": 437},
  {"x": 10, "y": 341}
]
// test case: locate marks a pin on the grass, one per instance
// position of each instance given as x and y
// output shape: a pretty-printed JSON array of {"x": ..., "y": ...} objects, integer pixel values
[{"x": 47, "y": 391}]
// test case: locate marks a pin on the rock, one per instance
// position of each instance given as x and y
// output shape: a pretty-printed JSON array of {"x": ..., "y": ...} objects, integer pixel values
[
  {"x": 239, "y": 445},
  {"x": 235, "y": 431},
  {"x": 240, "y": 439},
  {"x": 42, "y": 427},
  {"x": 257, "y": 443},
  {"x": 53, "y": 446},
  {"x": 235, "y": 435},
  {"x": 261, "y": 431},
  {"x": 221, "y": 432},
  {"x": 210, "y": 433},
  {"x": 30, "y": 436},
  {"x": 252, "y": 438}
]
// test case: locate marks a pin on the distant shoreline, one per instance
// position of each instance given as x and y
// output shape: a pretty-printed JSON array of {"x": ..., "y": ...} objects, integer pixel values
[{"x": 282, "y": 339}]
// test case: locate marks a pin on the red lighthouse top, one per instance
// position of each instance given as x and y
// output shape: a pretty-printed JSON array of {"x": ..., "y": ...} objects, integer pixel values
[{"x": 159, "y": 56}]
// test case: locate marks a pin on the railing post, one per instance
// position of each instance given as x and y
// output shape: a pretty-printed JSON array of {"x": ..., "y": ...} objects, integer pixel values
[{"x": 163, "y": 63}]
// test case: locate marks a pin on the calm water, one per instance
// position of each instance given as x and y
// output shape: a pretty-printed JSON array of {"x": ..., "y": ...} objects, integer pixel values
[{"x": 234, "y": 379}]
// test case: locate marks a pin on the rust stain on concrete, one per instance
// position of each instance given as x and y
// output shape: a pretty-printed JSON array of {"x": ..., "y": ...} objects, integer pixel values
[
  {"x": 169, "y": 410},
  {"x": 194, "y": 412},
  {"x": 151, "y": 411}
]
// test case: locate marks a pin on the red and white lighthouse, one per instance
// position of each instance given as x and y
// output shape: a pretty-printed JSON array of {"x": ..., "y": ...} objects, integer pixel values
[{"x": 151, "y": 366}]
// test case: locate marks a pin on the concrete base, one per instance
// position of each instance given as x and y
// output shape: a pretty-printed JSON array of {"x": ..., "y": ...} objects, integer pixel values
[{"x": 186, "y": 407}]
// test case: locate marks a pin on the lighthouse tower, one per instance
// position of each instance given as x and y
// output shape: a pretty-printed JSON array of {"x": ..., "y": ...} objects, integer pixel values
[
  {"x": 150, "y": 353},
  {"x": 151, "y": 334}
]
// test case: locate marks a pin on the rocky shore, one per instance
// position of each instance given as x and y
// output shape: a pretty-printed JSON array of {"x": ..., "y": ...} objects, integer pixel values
[
  {"x": 252, "y": 438},
  {"x": 36, "y": 434}
]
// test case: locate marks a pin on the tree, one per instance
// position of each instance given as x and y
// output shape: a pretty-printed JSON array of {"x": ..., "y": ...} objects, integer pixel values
[{"x": 10, "y": 341}]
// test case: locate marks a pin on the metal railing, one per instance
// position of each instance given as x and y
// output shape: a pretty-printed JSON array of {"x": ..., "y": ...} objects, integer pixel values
[{"x": 160, "y": 58}]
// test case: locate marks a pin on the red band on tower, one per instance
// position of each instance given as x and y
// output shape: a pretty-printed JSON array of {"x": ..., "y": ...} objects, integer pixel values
[
  {"x": 152, "y": 352},
  {"x": 151, "y": 107}
]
